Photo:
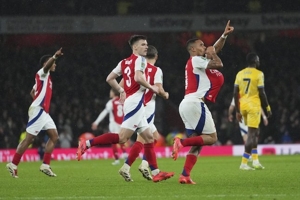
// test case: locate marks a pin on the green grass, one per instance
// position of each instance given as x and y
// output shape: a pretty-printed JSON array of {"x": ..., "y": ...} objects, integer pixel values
[{"x": 216, "y": 177}]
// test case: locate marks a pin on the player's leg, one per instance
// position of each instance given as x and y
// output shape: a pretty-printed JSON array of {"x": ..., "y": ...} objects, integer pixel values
[
  {"x": 22, "y": 147},
  {"x": 36, "y": 121},
  {"x": 197, "y": 119},
  {"x": 104, "y": 139},
  {"x": 252, "y": 119},
  {"x": 114, "y": 148},
  {"x": 150, "y": 155},
  {"x": 255, "y": 161},
  {"x": 49, "y": 147},
  {"x": 190, "y": 161}
]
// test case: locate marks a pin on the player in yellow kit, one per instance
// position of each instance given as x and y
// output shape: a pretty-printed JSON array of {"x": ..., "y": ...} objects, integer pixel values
[{"x": 249, "y": 94}]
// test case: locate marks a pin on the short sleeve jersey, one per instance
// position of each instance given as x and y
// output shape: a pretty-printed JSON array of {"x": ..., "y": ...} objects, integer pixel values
[
  {"x": 43, "y": 90},
  {"x": 127, "y": 68},
  {"x": 249, "y": 80},
  {"x": 153, "y": 75},
  {"x": 201, "y": 82}
]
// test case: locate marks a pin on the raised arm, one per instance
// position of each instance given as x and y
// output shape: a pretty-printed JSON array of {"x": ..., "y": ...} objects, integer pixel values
[
  {"x": 51, "y": 60},
  {"x": 219, "y": 44},
  {"x": 215, "y": 61}
]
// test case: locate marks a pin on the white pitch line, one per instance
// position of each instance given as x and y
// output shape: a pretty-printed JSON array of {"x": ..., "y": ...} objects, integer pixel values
[{"x": 218, "y": 196}]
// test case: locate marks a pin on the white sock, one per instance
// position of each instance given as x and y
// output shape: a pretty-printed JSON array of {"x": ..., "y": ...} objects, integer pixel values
[
  {"x": 155, "y": 172},
  {"x": 88, "y": 144},
  {"x": 145, "y": 163},
  {"x": 126, "y": 167}
]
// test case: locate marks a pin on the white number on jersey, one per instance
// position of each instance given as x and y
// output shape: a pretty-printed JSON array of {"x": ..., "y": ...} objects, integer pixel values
[{"x": 127, "y": 71}]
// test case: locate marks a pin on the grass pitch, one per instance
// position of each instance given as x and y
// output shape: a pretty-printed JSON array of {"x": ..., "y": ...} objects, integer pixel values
[{"x": 216, "y": 178}]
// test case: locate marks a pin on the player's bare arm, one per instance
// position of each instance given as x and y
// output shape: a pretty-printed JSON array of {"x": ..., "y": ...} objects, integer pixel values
[
  {"x": 161, "y": 91},
  {"x": 215, "y": 61},
  {"x": 52, "y": 60},
  {"x": 230, "y": 111},
  {"x": 140, "y": 79},
  {"x": 111, "y": 80},
  {"x": 264, "y": 101},
  {"x": 236, "y": 102},
  {"x": 219, "y": 44},
  {"x": 32, "y": 93},
  {"x": 122, "y": 94}
]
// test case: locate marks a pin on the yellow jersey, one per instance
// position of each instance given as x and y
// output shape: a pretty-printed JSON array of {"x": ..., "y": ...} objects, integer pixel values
[{"x": 249, "y": 80}]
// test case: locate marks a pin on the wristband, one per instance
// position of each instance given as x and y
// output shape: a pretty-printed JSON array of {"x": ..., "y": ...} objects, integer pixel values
[
  {"x": 54, "y": 57},
  {"x": 224, "y": 36},
  {"x": 121, "y": 90},
  {"x": 268, "y": 108}
]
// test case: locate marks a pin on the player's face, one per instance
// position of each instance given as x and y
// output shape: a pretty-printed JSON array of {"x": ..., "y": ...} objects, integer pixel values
[
  {"x": 200, "y": 48},
  {"x": 141, "y": 47}
]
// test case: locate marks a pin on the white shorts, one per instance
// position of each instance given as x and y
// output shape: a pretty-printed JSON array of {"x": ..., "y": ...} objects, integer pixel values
[
  {"x": 196, "y": 117},
  {"x": 114, "y": 127},
  {"x": 150, "y": 115},
  {"x": 38, "y": 120},
  {"x": 134, "y": 115},
  {"x": 243, "y": 128}
]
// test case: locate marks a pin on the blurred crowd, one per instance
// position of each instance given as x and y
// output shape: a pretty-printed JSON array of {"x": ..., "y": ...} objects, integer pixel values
[
  {"x": 142, "y": 7},
  {"x": 80, "y": 91}
]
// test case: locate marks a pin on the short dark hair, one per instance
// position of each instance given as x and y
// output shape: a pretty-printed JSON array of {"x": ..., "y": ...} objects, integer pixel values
[
  {"x": 190, "y": 42},
  {"x": 251, "y": 58},
  {"x": 151, "y": 52},
  {"x": 133, "y": 39},
  {"x": 44, "y": 59}
]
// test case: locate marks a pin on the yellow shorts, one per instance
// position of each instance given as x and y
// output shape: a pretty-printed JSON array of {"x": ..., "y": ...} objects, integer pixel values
[{"x": 251, "y": 117}]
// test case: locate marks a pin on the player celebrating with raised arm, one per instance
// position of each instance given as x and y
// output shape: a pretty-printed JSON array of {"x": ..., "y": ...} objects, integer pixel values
[
  {"x": 39, "y": 118},
  {"x": 114, "y": 108},
  {"x": 132, "y": 69},
  {"x": 203, "y": 81},
  {"x": 249, "y": 94}
]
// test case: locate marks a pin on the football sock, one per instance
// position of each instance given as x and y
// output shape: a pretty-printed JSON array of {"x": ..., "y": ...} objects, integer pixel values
[
  {"x": 134, "y": 152},
  {"x": 107, "y": 138},
  {"x": 190, "y": 161},
  {"x": 16, "y": 159},
  {"x": 245, "y": 158},
  {"x": 254, "y": 155},
  {"x": 47, "y": 158},
  {"x": 123, "y": 148},
  {"x": 193, "y": 141},
  {"x": 150, "y": 156},
  {"x": 115, "y": 151}
]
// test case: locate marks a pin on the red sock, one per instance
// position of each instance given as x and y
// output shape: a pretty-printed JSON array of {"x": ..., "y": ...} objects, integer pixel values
[
  {"x": 192, "y": 141},
  {"x": 115, "y": 151},
  {"x": 190, "y": 161},
  {"x": 150, "y": 156},
  {"x": 134, "y": 152},
  {"x": 123, "y": 148},
  {"x": 47, "y": 158},
  {"x": 106, "y": 138},
  {"x": 16, "y": 159}
]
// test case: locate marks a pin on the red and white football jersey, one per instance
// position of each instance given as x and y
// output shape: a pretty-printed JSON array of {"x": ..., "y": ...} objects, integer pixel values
[
  {"x": 43, "y": 90},
  {"x": 153, "y": 75},
  {"x": 201, "y": 82},
  {"x": 127, "y": 68}
]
